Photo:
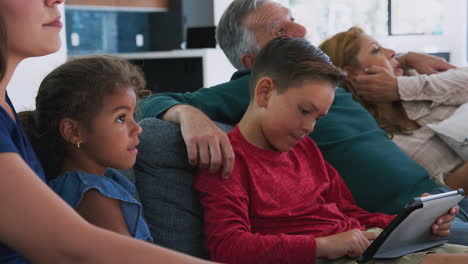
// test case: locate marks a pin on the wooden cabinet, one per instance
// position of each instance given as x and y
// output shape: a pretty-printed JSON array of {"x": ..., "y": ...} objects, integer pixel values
[
  {"x": 182, "y": 70},
  {"x": 136, "y": 30}
]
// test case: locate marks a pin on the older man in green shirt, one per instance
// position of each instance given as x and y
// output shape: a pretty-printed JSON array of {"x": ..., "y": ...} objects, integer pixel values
[{"x": 381, "y": 177}]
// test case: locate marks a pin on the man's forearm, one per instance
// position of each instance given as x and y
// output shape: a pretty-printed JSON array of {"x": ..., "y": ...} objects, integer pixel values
[{"x": 175, "y": 113}]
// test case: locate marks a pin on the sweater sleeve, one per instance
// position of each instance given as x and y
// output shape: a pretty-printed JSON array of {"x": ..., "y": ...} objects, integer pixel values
[
  {"x": 229, "y": 237},
  {"x": 225, "y": 103},
  {"x": 449, "y": 87},
  {"x": 341, "y": 195}
]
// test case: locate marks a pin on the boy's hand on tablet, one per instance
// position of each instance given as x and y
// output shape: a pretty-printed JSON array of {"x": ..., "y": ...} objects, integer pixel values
[
  {"x": 351, "y": 243},
  {"x": 442, "y": 225}
]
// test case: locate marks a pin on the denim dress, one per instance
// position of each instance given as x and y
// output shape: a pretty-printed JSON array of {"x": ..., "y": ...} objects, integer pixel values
[{"x": 71, "y": 186}]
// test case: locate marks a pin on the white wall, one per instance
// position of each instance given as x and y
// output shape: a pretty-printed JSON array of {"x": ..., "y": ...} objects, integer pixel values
[
  {"x": 26, "y": 80},
  {"x": 218, "y": 8},
  {"x": 28, "y": 76},
  {"x": 220, "y": 5}
]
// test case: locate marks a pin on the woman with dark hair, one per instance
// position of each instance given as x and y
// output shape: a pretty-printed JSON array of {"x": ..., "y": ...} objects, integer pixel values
[{"x": 36, "y": 225}]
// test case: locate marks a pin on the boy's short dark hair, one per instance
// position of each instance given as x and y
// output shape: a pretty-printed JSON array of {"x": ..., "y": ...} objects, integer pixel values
[{"x": 290, "y": 61}]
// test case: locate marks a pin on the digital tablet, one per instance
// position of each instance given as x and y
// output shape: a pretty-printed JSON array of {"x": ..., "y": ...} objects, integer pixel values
[{"x": 410, "y": 231}]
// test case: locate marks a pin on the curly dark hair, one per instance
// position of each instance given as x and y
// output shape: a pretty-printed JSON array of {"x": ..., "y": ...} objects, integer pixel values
[{"x": 75, "y": 90}]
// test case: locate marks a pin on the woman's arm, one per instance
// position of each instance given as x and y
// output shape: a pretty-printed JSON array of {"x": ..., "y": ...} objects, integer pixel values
[
  {"x": 41, "y": 226},
  {"x": 424, "y": 63},
  {"x": 381, "y": 86},
  {"x": 447, "y": 88}
]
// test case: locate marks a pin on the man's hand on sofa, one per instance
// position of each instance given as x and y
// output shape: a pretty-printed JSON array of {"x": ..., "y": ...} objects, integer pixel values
[
  {"x": 207, "y": 145},
  {"x": 378, "y": 85},
  {"x": 424, "y": 63}
]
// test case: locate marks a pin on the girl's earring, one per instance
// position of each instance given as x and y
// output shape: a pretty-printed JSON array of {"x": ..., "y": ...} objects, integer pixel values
[{"x": 78, "y": 144}]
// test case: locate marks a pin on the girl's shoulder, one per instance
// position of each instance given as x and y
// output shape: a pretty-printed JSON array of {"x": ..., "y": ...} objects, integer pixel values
[
  {"x": 120, "y": 179},
  {"x": 72, "y": 185}
]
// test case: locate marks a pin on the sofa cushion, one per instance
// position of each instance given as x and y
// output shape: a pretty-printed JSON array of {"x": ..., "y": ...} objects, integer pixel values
[
  {"x": 164, "y": 180},
  {"x": 454, "y": 131}
]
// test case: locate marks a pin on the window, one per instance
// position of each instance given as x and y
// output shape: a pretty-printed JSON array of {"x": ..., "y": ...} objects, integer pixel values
[
  {"x": 404, "y": 20},
  {"x": 325, "y": 18}
]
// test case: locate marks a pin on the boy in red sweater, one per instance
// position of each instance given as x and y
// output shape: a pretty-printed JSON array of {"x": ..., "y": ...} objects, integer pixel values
[{"x": 283, "y": 203}]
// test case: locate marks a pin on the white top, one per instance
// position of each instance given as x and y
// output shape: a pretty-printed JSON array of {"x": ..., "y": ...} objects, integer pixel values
[{"x": 430, "y": 99}]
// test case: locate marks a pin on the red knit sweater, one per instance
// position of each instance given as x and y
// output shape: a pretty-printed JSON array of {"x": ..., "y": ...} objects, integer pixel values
[{"x": 275, "y": 203}]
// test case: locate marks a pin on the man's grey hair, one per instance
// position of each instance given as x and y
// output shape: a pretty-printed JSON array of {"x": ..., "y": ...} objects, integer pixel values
[{"x": 232, "y": 34}]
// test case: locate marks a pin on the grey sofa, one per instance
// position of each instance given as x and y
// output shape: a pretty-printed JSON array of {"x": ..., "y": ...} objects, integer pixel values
[{"x": 164, "y": 182}]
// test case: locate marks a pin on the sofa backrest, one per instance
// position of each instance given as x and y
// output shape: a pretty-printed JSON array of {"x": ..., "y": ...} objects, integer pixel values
[{"x": 164, "y": 181}]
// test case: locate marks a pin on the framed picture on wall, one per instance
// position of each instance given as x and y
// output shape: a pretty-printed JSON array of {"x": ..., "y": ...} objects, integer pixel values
[{"x": 415, "y": 17}]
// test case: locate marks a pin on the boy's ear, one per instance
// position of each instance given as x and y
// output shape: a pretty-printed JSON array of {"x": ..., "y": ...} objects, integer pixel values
[
  {"x": 70, "y": 130},
  {"x": 247, "y": 60},
  {"x": 263, "y": 91}
]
